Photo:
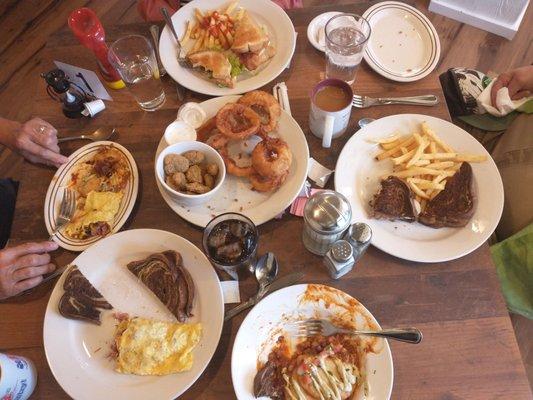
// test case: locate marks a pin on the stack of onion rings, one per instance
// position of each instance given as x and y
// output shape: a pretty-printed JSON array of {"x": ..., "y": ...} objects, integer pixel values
[
  {"x": 266, "y": 106},
  {"x": 256, "y": 113}
]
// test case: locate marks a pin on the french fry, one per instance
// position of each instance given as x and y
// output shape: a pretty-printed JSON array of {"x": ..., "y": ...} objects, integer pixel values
[
  {"x": 441, "y": 165},
  {"x": 388, "y": 139},
  {"x": 388, "y": 146},
  {"x": 187, "y": 33},
  {"x": 404, "y": 157},
  {"x": 422, "y": 144},
  {"x": 198, "y": 44},
  {"x": 429, "y": 132},
  {"x": 425, "y": 184},
  {"x": 432, "y": 147},
  {"x": 423, "y": 204},
  {"x": 240, "y": 14},
  {"x": 415, "y": 171},
  {"x": 198, "y": 14},
  {"x": 439, "y": 156},
  {"x": 231, "y": 7},
  {"x": 471, "y": 157},
  {"x": 421, "y": 163},
  {"x": 419, "y": 192},
  {"x": 388, "y": 153},
  {"x": 404, "y": 150}
]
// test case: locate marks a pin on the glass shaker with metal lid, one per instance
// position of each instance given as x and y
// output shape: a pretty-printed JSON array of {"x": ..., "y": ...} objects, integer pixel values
[{"x": 327, "y": 214}]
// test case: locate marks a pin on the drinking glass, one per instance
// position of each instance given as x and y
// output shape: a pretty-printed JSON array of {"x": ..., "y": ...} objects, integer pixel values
[
  {"x": 245, "y": 263},
  {"x": 346, "y": 38},
  {"x": 134, "y": 58}
]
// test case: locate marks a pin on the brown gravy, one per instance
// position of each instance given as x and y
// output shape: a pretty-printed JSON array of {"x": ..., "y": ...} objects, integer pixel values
[{"x": 332, "y": 98}]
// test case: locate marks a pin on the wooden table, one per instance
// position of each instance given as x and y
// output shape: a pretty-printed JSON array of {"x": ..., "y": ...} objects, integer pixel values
[{"x": 469, "y": 349}]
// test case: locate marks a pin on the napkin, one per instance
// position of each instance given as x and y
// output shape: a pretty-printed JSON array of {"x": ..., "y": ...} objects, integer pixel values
[{"x": 504, "y": 103}]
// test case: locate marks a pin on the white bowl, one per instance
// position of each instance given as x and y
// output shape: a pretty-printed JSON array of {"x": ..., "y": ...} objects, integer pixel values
[{"x": 211, "y": 156}]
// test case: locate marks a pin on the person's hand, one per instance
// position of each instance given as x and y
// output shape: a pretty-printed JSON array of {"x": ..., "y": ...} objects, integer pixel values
[
  {"x": 36, "y": 140},
  {"x": 22, "y": 267},
  {"x": 519, "y": 82}
]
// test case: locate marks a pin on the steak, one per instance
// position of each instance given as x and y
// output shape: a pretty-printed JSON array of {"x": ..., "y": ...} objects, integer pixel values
[
  {"x": 81, "y": 300},
  {"x": 164, "y": 274},
  {"x": 454, "y": 206},
  {"x": 393, "y": 201}
]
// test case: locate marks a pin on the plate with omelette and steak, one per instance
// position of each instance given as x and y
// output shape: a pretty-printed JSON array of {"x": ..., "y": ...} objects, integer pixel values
[
  {"x": 139, "y": 315},
  {"x": 427, "y": 188}
]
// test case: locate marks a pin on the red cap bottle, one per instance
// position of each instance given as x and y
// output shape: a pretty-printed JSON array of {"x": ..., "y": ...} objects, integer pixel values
[{"x": 88, "y": 29}]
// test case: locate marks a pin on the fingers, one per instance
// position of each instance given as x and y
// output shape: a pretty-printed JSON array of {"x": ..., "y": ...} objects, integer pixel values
[
  {"x": 521, "y": 94},
  {"x": 31, "y": 248},
  {"x": 27, "y": 284},
  {"x": 32, "y": 260},
  {"x": 32, "y": 272},
  {"x": 514, "y": 86},
  {"x": 500, "y": 82},
  {"x": 45, "y": 155}
]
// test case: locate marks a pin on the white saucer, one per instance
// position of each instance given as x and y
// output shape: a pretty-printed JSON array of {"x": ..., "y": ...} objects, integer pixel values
[{"x": 318, "y": 23}]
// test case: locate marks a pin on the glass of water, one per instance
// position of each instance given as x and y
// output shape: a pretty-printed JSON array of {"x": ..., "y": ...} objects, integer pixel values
[
  {"x": 134, "y": 58},
  {"x": 346, "y": 38}
]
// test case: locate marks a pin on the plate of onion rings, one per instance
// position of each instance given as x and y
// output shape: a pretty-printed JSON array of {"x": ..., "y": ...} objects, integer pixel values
[{"x": 266, "y": 156}]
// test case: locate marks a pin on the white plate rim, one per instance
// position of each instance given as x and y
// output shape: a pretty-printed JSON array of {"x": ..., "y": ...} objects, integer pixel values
[
  {"x": 435, "y": 256},
  {"x": 257, "y": 219},
  {"x": 430, "y": 29},
  {"x": 299, "y": 289},
  {"x": 62, "y": 175},
  {"x": 200, "y": 85},
  {"x": 216, "y": 297}
]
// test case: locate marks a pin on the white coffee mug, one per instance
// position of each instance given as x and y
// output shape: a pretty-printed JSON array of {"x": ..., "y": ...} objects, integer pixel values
[
  {"x": 18, "y": 377},
  {"x": 329, "y": 125}
]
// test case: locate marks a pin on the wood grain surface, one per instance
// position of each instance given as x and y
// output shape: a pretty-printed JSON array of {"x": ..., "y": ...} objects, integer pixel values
[{"x": 469, "y": 349}]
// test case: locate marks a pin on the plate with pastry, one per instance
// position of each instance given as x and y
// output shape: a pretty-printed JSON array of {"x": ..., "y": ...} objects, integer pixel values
[
  {"x": 262, "y": 157},
  {"x": 273, "y": 359},
  {"x": 427, "y": 188},
  {"x": 139, "y": 314},
  {"x": 230, "y": 47},
  {"x": 104, "y": 179}
]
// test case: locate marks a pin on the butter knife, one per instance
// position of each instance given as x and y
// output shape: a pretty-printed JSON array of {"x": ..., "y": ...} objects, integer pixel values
[
  {"x": 154, "y": 30},
  {"x": 286, "y": 280}
]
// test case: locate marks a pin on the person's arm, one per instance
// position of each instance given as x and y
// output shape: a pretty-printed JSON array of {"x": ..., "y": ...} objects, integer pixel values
[
  {"x": 22, "y": 267},
  {"x": 35, "y": 140},
  {"x": 519, "y": 81}
]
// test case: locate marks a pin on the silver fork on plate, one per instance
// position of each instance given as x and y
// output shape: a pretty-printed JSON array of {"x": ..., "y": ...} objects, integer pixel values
[
  {"x": 365, "y": 101},
  {"x": 180, "y": 52},
  {"x": 313, "y": 327},
  {"x": 66, "y": 211}
]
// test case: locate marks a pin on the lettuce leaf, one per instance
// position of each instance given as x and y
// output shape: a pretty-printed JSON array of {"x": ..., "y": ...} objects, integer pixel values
[{"x": 236, "y": 66}]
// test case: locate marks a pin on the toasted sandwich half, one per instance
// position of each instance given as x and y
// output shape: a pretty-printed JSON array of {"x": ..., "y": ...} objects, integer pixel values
[
  {"x": 251, "y": 43},
  {"x": 216, "y": 63}
]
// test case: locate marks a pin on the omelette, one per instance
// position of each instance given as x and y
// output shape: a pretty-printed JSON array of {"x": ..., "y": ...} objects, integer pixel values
[
  {"x": 148, "y": 347},
  {"x": 97, "y": 214}
]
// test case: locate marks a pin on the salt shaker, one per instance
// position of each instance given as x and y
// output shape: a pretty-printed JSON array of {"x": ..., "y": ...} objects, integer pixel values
[
  {"x": 327, "y": 214},
  {"x": 339, "y": 259},
  {"x": 359, "y": 236}
]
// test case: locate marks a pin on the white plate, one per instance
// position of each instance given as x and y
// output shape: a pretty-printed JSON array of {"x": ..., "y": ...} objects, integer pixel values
[
  {"x": 77, "y": 351},
  {"x": 318, "y": 23},
  {"x": 262, "y": 326},
  {"x": 357, "y": 176},
  {"x": 404, "y": 46},
  {"x": 236, "y": 195},
  {"x": 264, "y": 12},
  {"x": 61, "y": 179}
]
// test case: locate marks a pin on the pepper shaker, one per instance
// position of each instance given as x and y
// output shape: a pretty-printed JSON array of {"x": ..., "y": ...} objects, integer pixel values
[
  {"x": 359, "y": 236},
  {"x": 327, "y": 214}
]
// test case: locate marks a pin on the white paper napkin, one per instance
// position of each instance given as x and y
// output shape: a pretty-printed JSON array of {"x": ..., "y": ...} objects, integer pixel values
[{"x": 504, "y": 104}]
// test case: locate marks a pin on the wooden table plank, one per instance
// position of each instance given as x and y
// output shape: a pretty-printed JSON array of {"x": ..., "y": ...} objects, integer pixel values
[{"x": 469, "y": 350}]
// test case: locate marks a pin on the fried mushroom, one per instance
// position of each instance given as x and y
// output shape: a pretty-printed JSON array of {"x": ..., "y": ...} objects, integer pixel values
[
  {"x": 209, "y": 181},
  {"x": 175, "y": 163},
  {"x": 197, "y": 188},
  {"x": 194, "y": 174},
  {"x": 195, "y": 157},
  {"x": 212, "y": 169}
]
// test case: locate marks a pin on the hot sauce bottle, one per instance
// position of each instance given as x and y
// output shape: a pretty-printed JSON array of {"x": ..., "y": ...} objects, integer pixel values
[{"x": 88, "y": 29}]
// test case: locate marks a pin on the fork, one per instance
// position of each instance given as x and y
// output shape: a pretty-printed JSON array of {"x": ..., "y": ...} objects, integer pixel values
[
  {"x": 365, "y": 101},
  {"x": 181, "y": 54},
  {"x": 313, "y": 327},
  {"x": 66, "y": 211}
]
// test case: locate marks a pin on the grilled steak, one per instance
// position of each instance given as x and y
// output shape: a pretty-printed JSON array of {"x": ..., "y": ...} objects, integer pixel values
[
  {"x": 454, "y": 206},
  {"x": 164, "y": 274},
  {"x": 393, "y": 201},
  {"x": 81, "y": 300}
]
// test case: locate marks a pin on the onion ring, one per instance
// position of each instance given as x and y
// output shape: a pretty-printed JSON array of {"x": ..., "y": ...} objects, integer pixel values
[
  {"x": 207, "y": 130},
  {"x": 262, "y": 184},
  {"x": 266, "y": 106},
  {"x": 237, "y": 121},
  {"x": 271, "y": 157},
  {"x": 233, "y": 169},
  {"x": 217, "y": 141}
]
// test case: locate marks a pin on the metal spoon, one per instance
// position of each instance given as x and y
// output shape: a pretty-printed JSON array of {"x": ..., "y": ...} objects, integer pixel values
[
  {"x": 96, "y": 136},
  {"x": 364, "y": 122},
  {"x": 266, "y": 271}
]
